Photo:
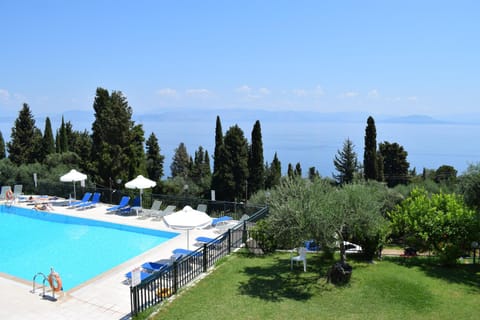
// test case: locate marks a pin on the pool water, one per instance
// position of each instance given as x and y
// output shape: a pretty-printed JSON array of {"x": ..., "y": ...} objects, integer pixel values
[{"x": 78, "y": 249}]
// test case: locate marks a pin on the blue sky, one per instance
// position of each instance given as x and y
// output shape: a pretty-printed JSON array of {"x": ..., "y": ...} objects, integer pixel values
[{"x": 379, "y": 57}]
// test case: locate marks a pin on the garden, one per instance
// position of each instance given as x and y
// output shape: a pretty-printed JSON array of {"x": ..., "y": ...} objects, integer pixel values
[{"x": 244, "y": 286}]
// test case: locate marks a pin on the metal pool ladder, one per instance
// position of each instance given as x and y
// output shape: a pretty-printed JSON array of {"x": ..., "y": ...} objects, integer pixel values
[{"x": 45, "y": 281}]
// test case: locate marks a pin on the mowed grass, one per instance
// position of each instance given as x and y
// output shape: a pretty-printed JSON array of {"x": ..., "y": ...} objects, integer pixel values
[{"x": 251, "y": 287}]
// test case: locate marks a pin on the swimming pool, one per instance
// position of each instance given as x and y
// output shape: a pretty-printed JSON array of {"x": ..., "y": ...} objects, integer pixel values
[{"x": 79, "y": 249}]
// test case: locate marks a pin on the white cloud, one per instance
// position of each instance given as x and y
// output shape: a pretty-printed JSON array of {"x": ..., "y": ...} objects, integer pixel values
[
  {"x": 167, "y": 92},
  {"x": 318, "y": 91},
  {"x": 373, "y": 94},
  {"x": 264, "y": 91},
  {"x": 12, "y": 99},
  {"x": 244, "y": 89},
  {"x": 412, "y": 99},
  {"x": 253, "y": 93},
  {"x": 300, "y": 92},
  {"x": 350, "y": 94},
  {"x": 202, "y": 93},
  {"x": 4, "y": 95}
]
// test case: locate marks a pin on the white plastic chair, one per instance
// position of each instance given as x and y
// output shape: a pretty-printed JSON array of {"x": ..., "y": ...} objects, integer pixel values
[{"x": 302, "y": 256}]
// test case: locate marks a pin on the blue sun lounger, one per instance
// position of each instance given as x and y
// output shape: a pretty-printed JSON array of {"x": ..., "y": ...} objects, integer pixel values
[
  {"x": 86, "y": 198},
  {"x": 122, "y": 204},
  {"x": 90, "y": 204},
  {"x": 208, "y": 240},
  {"x": 186, "y": 252},
  {"x": 134, "y": 208},
  {"x": 151, "y": 267},
  {"x": 218, "y": 220},
  {"x": 143, "y": 275}
]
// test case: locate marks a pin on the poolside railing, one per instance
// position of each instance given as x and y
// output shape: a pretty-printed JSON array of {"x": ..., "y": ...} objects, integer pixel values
[{"x": 165, "y": 283}]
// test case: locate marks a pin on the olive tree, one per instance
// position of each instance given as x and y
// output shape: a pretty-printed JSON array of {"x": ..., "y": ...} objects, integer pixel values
[{"x": 302, "y": 209}]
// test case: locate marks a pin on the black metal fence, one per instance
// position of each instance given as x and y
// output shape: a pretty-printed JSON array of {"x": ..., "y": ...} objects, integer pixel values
[{"x": 165, "y": 283}]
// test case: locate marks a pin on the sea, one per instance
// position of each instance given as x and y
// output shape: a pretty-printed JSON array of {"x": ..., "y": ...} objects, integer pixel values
[{"x": 311, "y": 140}]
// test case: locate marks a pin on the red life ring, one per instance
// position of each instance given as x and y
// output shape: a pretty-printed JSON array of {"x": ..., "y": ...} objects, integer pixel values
[
  {"x": 9, "y": 195},
  {"x": 55, "y": 281}
]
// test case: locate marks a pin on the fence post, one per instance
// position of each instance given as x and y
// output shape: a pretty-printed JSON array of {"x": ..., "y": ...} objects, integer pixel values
[
  {"x": 229, "y": 241},
  {"x": 244, "y": 232},
  {"x": 133, "y": 301},
  {"x": 205, "y": 261},
  {"x": 175, "y": 277}
]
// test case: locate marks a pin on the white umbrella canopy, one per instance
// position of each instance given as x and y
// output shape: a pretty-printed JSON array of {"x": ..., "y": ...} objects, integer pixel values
[
  {"x": 140, "y": 182},
  {"x": 187, "y": 219},
  {"x": 73, "y": 176}
]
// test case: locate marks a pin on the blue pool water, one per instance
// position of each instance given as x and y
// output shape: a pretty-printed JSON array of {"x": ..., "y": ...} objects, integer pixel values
[{"x": 79, "y": 249}]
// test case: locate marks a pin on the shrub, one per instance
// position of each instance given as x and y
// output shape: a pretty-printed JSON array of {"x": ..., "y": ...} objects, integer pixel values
[{"x": 264, "y": 237}]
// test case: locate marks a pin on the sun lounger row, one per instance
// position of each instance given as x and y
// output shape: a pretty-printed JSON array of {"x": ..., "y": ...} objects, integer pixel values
[
  {"x": 148, "y": 268},
  {"x": 88, "y": 201},
  {"x": 155, "y": 212}
]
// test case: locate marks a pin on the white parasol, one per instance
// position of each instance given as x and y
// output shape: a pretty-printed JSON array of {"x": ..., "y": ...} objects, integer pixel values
[
  {"x": 140, "y": 182},
  {"x": 187, "y": 219},
  {"x": 73, "y": 176}
]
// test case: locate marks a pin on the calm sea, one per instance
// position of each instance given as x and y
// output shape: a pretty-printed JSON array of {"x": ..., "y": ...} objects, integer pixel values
[{"x": 315, "y": 144}]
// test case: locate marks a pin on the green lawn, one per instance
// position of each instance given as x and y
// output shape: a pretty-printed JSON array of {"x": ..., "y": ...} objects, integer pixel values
[{"x": 249, "y": 287}]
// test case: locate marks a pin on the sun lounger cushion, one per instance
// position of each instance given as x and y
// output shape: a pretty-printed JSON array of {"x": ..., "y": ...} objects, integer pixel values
[
  {"x": 153, "y": 266},
  {"x": 216, "y": 221},
  {"x": 208, "y": 240}
]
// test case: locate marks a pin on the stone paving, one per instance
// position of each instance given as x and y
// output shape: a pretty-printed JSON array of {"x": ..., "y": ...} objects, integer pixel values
[{"x": 104, "y": 297}]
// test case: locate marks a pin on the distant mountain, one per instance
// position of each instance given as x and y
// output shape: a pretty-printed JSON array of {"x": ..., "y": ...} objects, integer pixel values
[
  {"x": 230, "y": 115},
  {"x": 82, "y": 119},
  {"x": 414, "y": 119}
]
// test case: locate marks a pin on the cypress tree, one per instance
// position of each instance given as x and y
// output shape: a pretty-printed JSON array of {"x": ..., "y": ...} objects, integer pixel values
[
  {"x": 198, "y": 166},
  {"x": 218, "y": 159},
  {"x": 298, "y": 170},
  {"x": 234, "y": 171},
  {"x": 112, "y": 137},
  {"x": 154, "y": 159},
  {"x": 57, "y": 141},
  {"x": 200, "y": 173},
  {"x": 135, "y": 152},
  {"x": 48, "y": 143},
  {"x": 37, "y": 145},
  {"x": 63, "y": 137},
  {"x": 313, "y": 174},
  {"x": 3, "y": 153},
  {"x": 395, "y": 164},
  {"x": 274, "y": 173},
  {"x": 81, "y": 144},
  {"x": 206, "y": 164},
  {"x": 290, "y": 172},
  {"x": 70, "y": 135},
  {"x": 181, "y": 162},
  {"x": 256, "y": 180},
  {"x": 370, "y": 167},
  {"x": 380, "y": 173}
]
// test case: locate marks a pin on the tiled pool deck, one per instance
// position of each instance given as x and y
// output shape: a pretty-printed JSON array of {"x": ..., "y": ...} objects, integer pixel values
[{"x": 103, "y": 297}]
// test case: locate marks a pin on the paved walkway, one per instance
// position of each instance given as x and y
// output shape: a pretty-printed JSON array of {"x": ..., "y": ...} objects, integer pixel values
[{"x": 104, "y": 297}]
